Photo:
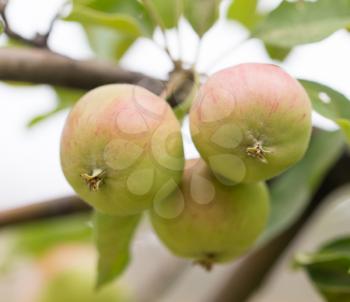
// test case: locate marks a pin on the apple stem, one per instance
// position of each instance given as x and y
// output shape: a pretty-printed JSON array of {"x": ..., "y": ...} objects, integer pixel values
[
  {"x": 258, "y": 151},
  {"x": 94, "y": 180},
  {"x": 207, "y": 262}
]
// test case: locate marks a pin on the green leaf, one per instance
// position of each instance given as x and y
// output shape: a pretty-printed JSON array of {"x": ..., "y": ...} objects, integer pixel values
[
  {"x": 65, "y": 99},
  {"x": 295, "y": 23},
  {"x": 108, "y": 44},
  {"x": 113, "y": 236},
  {"x": 34, "y": 239},
  {"x": 244, "y": 11},
  {"x": 330, "y": 104},
  {"x": 133, "y": 9},
  {"x": 328, "y": 268},
  {"x": 344, "y": 124},
  {"x": 293, "y": 190},
  {"x": 166, "y": 14},
  {"x": 277, "y": 53},
  {"x": 202, "y": 14},
  {"x": 122, "y": 23}
]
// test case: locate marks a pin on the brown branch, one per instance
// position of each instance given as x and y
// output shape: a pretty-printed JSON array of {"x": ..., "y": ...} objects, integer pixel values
[
  {"x": 45, "y": 209},
  {"x": 42, "y": 66},
  {"x": 45, "y": 37}
]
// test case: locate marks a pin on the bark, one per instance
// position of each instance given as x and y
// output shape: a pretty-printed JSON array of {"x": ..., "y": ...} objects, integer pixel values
[{"x": 42, "y": 66}]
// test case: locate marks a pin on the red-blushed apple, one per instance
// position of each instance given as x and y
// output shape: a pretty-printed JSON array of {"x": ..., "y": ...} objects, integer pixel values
[
  {"x": 251, "y": 122},
  {"x": 120, "y": 146}
]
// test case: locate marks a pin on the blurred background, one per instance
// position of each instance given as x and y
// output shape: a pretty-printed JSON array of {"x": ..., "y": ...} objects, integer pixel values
[{"x": 31, "y": 171}]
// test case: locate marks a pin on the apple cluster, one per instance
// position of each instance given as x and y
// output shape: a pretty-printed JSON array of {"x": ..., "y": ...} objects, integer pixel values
[{"x": 122, "y": 152}]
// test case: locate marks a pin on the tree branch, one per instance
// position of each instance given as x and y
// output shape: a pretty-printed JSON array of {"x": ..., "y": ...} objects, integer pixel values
[
  {"x": 45, "y": 209},
  {"x": 42, "y": 66}
]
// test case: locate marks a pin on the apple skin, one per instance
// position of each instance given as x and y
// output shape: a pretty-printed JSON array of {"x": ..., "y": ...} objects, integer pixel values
[
  {"x": 251, "y": 122},
  {"x": 121, "y": 144},
  {"x": 217, "y": 223}
]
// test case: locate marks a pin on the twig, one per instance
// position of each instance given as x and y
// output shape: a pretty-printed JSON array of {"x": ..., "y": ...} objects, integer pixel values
[
  {"x": 39, "y": 40},
  {"x": 45, "y": 37},
  {"x": 36, "y": 41}
]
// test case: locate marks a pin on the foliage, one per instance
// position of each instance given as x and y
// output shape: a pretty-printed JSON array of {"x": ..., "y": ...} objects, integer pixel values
[
  {"x": 329, "y": 269},
  {"x": 292, "y": 191},
  {"x": 122, "y": 23},
  {"x": 34, "y": 239},
  {"x": 245, "y": 12},
  {"x": 277, "y": 53},
  {"x": 107, "y": 43},
  {"x": 134, "y": 10},
  {"x": 113, "y": 235},
  {"x": 330, "y": 104},
  {"x": 112, "y": 27},
  {"x": 65, "y": 98},
  {"x": 291, "y": 23},
  {"x": 201, "y": 14},
  {"x": 104, "y": 21},
  {"x": 301, "y": 22},
  {"x": 166, "y": 14}
]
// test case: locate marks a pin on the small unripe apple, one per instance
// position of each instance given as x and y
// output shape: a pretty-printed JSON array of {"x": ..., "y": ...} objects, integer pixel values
[
  {"x": 121, "y": 144},
  {"x": 210, "y": 222},
  {"x": 251, "y": 122}
]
